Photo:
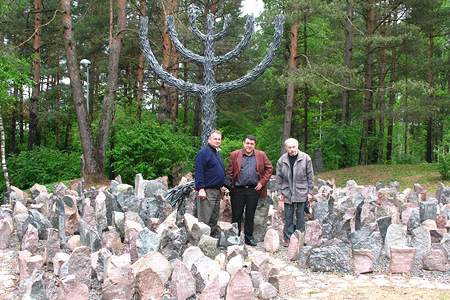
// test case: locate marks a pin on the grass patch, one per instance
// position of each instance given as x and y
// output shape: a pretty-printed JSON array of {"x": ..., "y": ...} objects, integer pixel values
[{"x": 427, "y": 175}]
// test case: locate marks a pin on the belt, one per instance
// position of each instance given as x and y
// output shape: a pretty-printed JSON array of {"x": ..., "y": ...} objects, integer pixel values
[{"x": 246, "y": 186}]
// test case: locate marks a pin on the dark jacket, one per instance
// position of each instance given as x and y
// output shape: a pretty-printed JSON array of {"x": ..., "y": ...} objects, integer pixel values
[
  {"x": 263, "y": 167},
  {"x": 209, "y": 170},
  {"x": 297, "y": 188}
]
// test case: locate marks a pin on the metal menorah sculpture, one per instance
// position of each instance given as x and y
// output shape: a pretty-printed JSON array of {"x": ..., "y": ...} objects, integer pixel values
[{"x": 209, "y": 88}]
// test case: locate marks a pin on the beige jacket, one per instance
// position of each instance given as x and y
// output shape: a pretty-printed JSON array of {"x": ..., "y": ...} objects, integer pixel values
[{"x": 297, "y": 188}]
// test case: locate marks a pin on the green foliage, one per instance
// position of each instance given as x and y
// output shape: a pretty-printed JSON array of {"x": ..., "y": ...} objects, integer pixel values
[
  {"x": 42, "y": 165},
  {"x": 443, "y": 157},
  {"x": 340, "y": 146},
  {"x": 150, "y": 149}
]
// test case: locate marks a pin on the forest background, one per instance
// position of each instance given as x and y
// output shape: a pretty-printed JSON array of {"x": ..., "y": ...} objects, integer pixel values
[{"x": 363, "y": 81}]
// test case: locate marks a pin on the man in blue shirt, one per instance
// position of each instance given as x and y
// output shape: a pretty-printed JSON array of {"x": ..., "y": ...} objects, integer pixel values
[{"x": 209, "y": 177}]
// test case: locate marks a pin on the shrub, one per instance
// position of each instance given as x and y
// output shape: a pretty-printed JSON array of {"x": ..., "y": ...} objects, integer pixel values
[
  {"x": 42, "y": 165},
  {"x": 443, "y": 157}
]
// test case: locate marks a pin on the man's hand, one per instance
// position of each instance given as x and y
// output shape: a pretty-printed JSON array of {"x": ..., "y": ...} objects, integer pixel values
[
  {"x": 202, "y": 194},
  {"x": 281, "y": 198},
  {"x": 310, "y": 197},
  {"x": 258, "y": 186}
]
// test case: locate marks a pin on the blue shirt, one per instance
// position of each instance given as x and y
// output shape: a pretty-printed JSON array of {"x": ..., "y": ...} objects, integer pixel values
[{"x": 209, "y": 169}]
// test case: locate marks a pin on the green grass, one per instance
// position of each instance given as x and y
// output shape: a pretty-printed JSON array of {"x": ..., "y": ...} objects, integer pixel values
[{"x": 427, "y": 175}]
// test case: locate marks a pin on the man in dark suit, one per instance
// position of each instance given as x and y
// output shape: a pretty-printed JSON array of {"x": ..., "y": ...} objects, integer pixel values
[{"x": 251, "y": 170}]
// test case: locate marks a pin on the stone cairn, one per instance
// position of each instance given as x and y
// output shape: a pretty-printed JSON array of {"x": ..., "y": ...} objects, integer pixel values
[{"x": 130, "y": 243}]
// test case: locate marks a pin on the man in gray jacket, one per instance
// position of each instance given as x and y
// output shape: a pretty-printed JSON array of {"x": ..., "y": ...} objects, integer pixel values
[{"x": 294, "y": 184}]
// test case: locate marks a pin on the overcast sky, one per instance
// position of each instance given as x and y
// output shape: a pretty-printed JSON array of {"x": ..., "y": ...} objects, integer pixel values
[{"x": 252, "y": 7}]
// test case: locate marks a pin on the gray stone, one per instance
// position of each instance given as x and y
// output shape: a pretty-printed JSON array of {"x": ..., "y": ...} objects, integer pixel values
[
  {"x": 59, "y": 219},
  {"x": 147, "y": 241},
  {"x": 208, "y": 245},
  {"x": 443, "y": 193},
  {"x": 173, "y": 243},
  {"x": 235, "y": 241},
  {"x": 374, "y": 243},
  {"x": 39, "y": 221},
  {"x": 428, "y": 210},
  {"x": 60, "y": 190},
  {"x": 320, "y": 211},
  {"x": 190, "y": 255},
  {"x": 413, "y": 197},
  {"x": 303, "y": 256},
  {"x": 149, "y": 209},
  {"x": 414, "y": 220},
  {"x": 164, "y": 207},
  {"x": 5, "y": 234},
  {"x": 261, "y": 218},
  {"x": 330, "y": 227},
  {"x": 421, "y": 240},
  {"x": 88, "y": 237},
  {"x": 100, "y": 212},
  {"x": 395, "y": 236},
  {"x": 328, "y": 259},
  {"x": 434, "y": 260},
  {"x": 127, "y": 203},
  {"x": 383, "y": 225},
  {"x": 151, "y": 188}
]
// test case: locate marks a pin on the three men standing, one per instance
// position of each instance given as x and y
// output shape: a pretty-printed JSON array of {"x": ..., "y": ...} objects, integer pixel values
[
  {"x": 251, "y": 170},
  {"x": 209, "y": 177},
  {"x": 294, "y": 185}
]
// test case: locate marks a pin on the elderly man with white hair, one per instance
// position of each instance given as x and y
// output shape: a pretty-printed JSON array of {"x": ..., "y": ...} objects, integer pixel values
[{"x": 294, "y": 185}]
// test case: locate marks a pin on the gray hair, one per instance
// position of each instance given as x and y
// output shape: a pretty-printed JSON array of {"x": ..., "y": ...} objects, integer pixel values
[
  {"x": 215, "y": 131},
  {"x": 291, "y": 141}
]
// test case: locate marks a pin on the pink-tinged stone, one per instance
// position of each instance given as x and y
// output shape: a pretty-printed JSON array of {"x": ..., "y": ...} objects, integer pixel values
[
  {"x": 261, "y": 264},
  {"x": 273, "y": 271},
  {"x": 440, "y": 221},
  {"x": 283, "y": 282},
  {"x": 79, "y": 264},
  {"x": 51, "y": 246},
  {"x": 313, "y": 234},
  {"x": 153, "y": 224},
  {"x": 183, "y": 283},
  {"x": 148, "y": 284},
  {"x": 225, "y": 208},
  {"x": 240, "y": 287},
  {"x": 407, "y": 210},
  {"x": 434, "y": 260},
  {"x": 272, "y": 241},
  {"x": 224, "y": 279},
  {"x": 212, "y": 289},
  {"x": 71, "y": 220},
  {"x": 58, "y": 260},
  {"x": 5, "y": 234},
  {"x": 20, "y": 193},
  {"x": 198, "y": 229},
  {"x": 69, "y": 288},
  {"x": 430, "y": 224},
  {"x": 117, "y": 287},
  {"x": 30, "y": 239},
  {"x": 89, "y": 217},
  {"x": 201, "y": 269},
  {"x": 73, "y": 242},
  {"x": 113, "y": 241},
  {"x": 155, "y": 262},
  {"x": 168, "y": 223},
  {"x": 402, "y": 259},
  {"x": 293, "y": 248},
  {"x": 267, "y": 291},
  {"x": 189, "y": 220},
  {"x": 276, "y": 222},
  {"x": 437, "y": 235},
  {"x": 28, "y": 264},
  {"x": 363, "y": 261},
  {"x": 119, "y": 279},
  {"x": 235, "y": 250},
  {"x": 132, "y": 230}
]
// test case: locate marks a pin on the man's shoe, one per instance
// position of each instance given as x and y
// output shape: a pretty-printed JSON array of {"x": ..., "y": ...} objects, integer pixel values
[
  {"x": 250, "y": 242},
  {"x": 286, "y": 244}
]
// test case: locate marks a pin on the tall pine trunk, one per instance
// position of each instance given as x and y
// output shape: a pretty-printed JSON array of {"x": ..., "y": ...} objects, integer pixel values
[
  {"x": 346, "y": 97},
  {"x": 33, "y": 135},
  {"x": 291, "y": 90}
]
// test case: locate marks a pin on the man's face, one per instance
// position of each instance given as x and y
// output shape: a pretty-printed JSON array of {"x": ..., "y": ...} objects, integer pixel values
[
  {"x": 249, "y": 146},
  {"x": 292, "y": 149},
  {"x": 215, "y": 140}
]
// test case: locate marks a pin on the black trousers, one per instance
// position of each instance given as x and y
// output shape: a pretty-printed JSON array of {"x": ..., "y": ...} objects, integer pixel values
[{"x": 247, "y": 198}]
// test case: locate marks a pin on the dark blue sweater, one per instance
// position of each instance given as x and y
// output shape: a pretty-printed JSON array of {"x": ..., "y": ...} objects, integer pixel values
[{"x": 209, "y": 173}]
